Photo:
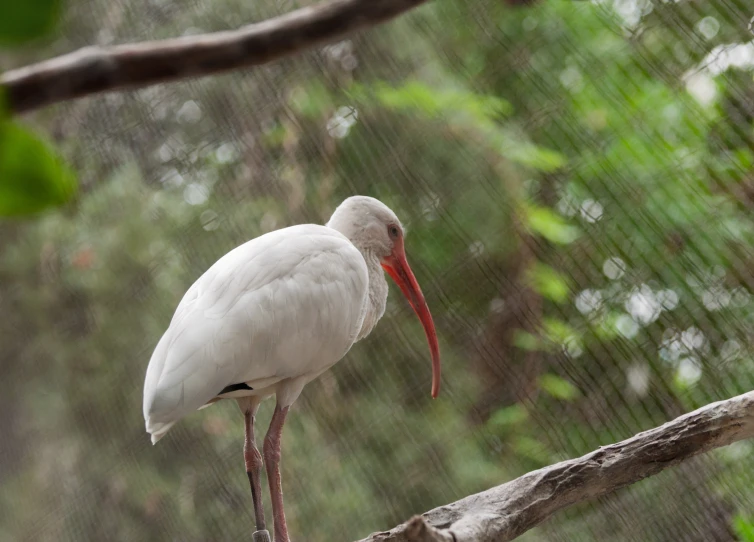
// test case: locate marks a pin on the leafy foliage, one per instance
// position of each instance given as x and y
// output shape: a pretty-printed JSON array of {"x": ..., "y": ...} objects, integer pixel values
[
  {"x": 578, "y": 205},
  {"x": 558, "y": 387},
  {"x": 744, "y": 528},
  {"x": 549, "y": 225},
  {"x": 27, "y": 21},
  {"x": 32, "y": 176}
]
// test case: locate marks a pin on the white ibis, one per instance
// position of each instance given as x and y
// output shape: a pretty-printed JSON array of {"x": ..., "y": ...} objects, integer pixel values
[{"x": 272, "y": 315}]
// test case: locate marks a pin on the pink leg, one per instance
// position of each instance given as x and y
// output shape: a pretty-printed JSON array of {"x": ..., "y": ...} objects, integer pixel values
[
  {"x": 272, "y": 463},
  {"x": 253, "y": 460}
]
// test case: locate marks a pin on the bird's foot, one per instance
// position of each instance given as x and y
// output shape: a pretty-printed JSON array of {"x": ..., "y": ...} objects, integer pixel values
[{"x": 261, "y": 536}]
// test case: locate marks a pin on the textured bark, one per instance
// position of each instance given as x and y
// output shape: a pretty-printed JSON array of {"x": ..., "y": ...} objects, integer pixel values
[
  {"x": 509, "y": 510},
  {"x": 99, "y": 69}
]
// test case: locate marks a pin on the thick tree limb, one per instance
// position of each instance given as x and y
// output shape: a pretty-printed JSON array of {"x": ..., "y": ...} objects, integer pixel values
[
  {"x": 507, "y": 511},
  {"x": 100, "y": 69}
]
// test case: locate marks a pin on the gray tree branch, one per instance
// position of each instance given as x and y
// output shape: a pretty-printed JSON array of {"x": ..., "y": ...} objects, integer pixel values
[
  {"x": 507, "y": 511},
  {"x": 99, "y": 69}
]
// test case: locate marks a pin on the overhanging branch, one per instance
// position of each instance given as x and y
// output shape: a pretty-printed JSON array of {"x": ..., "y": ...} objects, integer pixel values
[
  {"x": 505, "y": 512},
  {"x": 99, "y": 69}
]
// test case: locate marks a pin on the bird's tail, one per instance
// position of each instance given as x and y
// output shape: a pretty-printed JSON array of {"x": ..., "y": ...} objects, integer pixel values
[{"x": 158, "y": 430}]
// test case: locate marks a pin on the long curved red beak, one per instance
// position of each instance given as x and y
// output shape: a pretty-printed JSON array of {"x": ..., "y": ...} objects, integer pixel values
[{"x": 397, "y": 267}]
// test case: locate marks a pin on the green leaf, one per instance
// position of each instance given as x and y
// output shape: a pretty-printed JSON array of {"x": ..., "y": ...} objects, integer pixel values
[
  {"x": 505, "y": 417},
  {"x": 416, "y": 96},
  {"x": 560, "y": 334},
  {"x": 32, "y": 176},
  {"x": 558, "y": 331},
  {"x": 558, "y": 388},
  {"x": 607, "y": 328},
  {"x": 549, "y": 225},
  {"x": 311, "y": 100},
  {"x": 744, "y": 528},
  {"x": 525, "y": 340},
  {"x": 456, "y": 106},
  {"x": 27, "y": 20},
  {"x": 548, "y": 282},
  {"x": 536, "y": 157}
]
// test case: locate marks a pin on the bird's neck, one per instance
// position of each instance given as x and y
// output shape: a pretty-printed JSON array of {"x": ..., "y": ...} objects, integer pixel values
[{"x": 377, "y": 292}]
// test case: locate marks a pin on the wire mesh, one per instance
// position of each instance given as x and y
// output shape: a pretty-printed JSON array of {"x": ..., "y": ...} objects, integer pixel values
[{"x": 576, "y": 181}]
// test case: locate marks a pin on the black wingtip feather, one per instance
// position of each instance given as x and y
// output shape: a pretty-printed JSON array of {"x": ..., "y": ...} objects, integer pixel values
[{"x": 243, "y": 386}]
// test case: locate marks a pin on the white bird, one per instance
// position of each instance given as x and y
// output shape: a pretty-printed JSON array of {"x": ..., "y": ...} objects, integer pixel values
[{"x": 272, "y": 315}]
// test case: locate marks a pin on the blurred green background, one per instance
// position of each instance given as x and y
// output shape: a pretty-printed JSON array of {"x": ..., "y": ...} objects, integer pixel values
[{"x": 577, "y": 181}]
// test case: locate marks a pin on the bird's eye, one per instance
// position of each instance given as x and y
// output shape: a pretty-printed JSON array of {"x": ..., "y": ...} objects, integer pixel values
[{"x": 393, "y": 231}]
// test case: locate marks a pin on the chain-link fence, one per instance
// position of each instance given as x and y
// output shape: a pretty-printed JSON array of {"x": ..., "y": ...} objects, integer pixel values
[{"x": 577, "y": 181}]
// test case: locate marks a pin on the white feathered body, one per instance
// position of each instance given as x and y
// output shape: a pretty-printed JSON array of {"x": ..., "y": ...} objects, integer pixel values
[{"x": 274, "y": 313}]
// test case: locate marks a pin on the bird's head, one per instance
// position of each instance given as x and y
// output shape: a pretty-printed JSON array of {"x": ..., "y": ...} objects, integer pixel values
[{"x": 373, "y": 226}]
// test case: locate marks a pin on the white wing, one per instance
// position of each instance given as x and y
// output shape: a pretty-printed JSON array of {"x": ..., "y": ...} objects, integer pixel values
[{"x": 286, "y": 304}]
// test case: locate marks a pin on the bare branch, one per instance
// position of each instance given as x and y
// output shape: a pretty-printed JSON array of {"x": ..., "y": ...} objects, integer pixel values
[
  {"x": 507, "y": 511},
  {"x": 100, "y": 69}
]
